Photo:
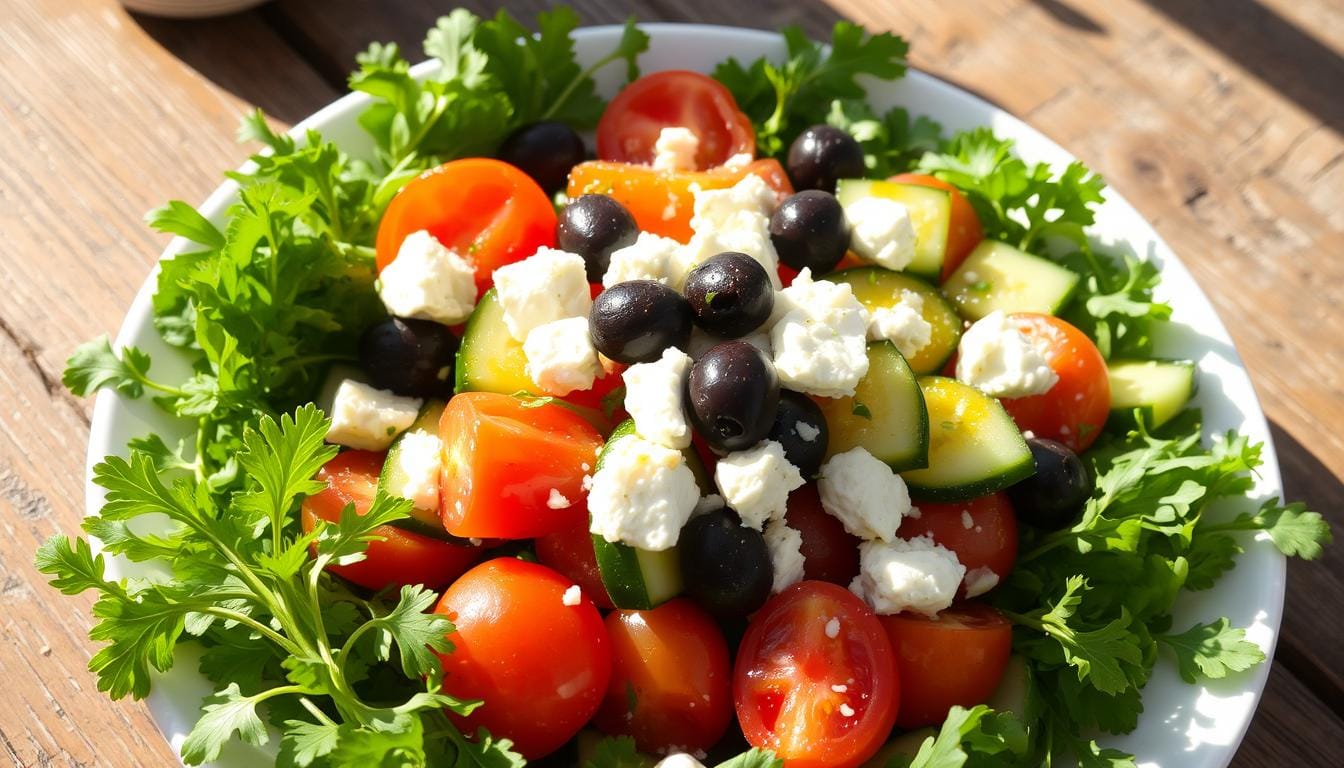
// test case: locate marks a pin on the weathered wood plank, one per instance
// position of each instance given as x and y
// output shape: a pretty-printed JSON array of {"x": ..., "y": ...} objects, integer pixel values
[{"x": 1291, "y": 727}]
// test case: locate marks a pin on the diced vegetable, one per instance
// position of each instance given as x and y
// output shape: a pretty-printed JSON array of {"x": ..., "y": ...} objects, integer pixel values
[
  {"x": 974, "y": 447},
  {"x": 886, "y": 415},
  {"x": 998, "y": 276},
  {"x": 930, "y": 212},
  {"x": 1158, "y": 389},
  {"x": 876, "y": 287}
]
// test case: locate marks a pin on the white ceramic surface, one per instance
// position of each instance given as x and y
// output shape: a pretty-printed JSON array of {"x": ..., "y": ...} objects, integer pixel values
[{"x": 1183, "y": 726}]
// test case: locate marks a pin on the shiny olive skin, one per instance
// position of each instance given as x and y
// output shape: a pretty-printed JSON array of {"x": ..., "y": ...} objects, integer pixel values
[
  {"x": 796, "y": 408},
  {"x": 733, "y": 393},
  {"x": 725, "y": 565},
  {"x": 821, "y": 155},
  {"x": 1053, "y": 497},
  {"x": 730, "y": 294},
  {"x": 809, "y": 229},
  {"x": 410, "y": 357},
  {"x": 595, "y": 226},
  {"x": 634, "y": 321},
  {"x": 545, "y": 151}
]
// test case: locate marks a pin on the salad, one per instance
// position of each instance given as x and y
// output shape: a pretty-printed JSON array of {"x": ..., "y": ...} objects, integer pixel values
[{"x": 781, "y": 433}]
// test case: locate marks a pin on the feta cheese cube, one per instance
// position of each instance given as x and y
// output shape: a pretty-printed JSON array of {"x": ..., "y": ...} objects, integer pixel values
[
  {"x": 1001, "y": 361},
  {"x": 645, "y": 259},
  {"x": 902, "y": 324},
  {"x": 550, "y": 285},
  {"x": 369, "y": 419},
  {"x": 864, "y": 494},
  {"x": 573, "y": 596},
  {"x": 653, "y": 397},
  {"x": 733, "y": 219},
  {"x": 786, "y": 554},
  {"x": 915, "y": 575},
  {"x": 756, "y": 482},
  {"x": 819, "y": 337},
  {"x": 881, "y": 232},
  {"x": 558, "y": 500},
  {"x": 739, "y": 160},
  {"x": 561, "y": 357},
  {"x": 419, "y": 460},
  {"x": 679, "y": 760},
  {"x": 675, "y": 149},
  {"x": 428, "y": 281},
  {"x": 642, "y": 494},
  {"x": 806, "y": 431},
  {"x": 980, "y": 580}
]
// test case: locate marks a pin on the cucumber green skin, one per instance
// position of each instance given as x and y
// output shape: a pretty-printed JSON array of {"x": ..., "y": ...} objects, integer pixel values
[
  {"x": 841, "y": 418},
  {"x": 420, "y": 521},
  {"x": 1122, "y": 412},
  {"x": 946, "y": 333},
  {"x": 931, "y": 240},
  {"x": 975, "y": 305}
]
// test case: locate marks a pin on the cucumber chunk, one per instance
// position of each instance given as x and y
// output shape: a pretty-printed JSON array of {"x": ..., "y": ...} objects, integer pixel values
[
  {"x": 930, "y": 212},
  {"x": 876, "y": 287},
  {"x": 394, "y": 476},
  {"x": 975, "y": 448},
  {"x": 886, "y": 415},
  {"x": 1158, "y": 389},
  {"x": 490, "y": 360},
  {"x": 997, "y": 276}
]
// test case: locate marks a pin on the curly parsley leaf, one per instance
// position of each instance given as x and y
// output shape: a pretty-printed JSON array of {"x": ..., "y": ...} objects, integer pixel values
[
  {"x": 617, "y": 752},
  {"x": 891, "y": 143},
  {"x": 94, "y": 366},
  {"x": 222, "y": 714},
  {"x": 969, "y": 737},
  {"x": 753, "y": 758},
  {"x": 178, "y": 218},
  {"x": 1211, "y": 651}
]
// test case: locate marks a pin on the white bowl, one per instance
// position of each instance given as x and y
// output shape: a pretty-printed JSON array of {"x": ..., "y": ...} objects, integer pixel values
[
  {"x": 189, "y": 9},
  {"x": 1182, "y": 725}
]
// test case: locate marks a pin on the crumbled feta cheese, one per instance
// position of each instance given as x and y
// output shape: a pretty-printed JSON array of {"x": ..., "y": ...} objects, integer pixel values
[
  {"x": 561, "y": 357},
  {"x": 675, "y": 149},
  {"x": 419, "y": 460},
  {"x": 369, "y": 419},
  {"x": 573, "y": 596},
  {"x": 733, "y": 219},
  {"x": 645, "y": 259},
  {"x": 833, "y": 631},
  {"x": 653, "y": 397},
  {"x": 679, "y": 760},
  {"x": 881, "y": 232},
  {"x": 863, "y": 493},
  {"x": 786, "y": 554},
  {"x": 839, "y": 688},
  {"x": 1001, "y": 361},
  {"x": 739, "y": 160},
  {"x": 547, "y": 286},
  {"x": 806, "y": 431},
  {"x": 557, "y": 500},
  {"x": 916, "y": 575},
  {"x": 756, "y": 482},
  {"x": 642, "y": 494},
  {"x": 846, "y": 710},
  {"x": 902, "y": 324},
  {"x": 819, "y": 337},
  {"x": 967, "y": 521},
  {"x": 980, "y": 580},
  {"x": 428, "y": 281}
]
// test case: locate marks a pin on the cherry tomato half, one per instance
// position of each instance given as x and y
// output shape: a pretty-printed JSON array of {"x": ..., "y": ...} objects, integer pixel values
[
  {"x": 539, "y": 665},
  {"x": 830, "y": 553},
  {"x": 487, "y": 210},
  {"x": 570, "y": 551},
  {"x": 955, "y": 658},
  {"x": 982, "y": 532},
  {"x": 1075, "y": 408},
  {"x": 402, "y": 558},
  {"x": 963, "y": 232},
  {"x": 816, "y": 700},
  {"x": 670, "y": 684},
  {"x": 504, "y": 460},
  {"x": 632, "y": 121}
]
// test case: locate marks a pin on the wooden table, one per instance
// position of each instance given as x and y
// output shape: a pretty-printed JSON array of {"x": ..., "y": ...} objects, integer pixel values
[{"x": 1220, "y": 120}]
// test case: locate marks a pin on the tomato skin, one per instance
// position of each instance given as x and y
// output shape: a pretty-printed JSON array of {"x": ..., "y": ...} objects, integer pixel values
[
  {"x": 964, "y": 231},
  {"x": 955, "y": 658},
  {"x": 990, "y": 541},
  {"x": 502, "y": 459},
  {"x": 403, "y": 557},
  {"x": 786, "y": 667},
  {"x": 570, "y": 552},
  {"x": 487, "y": 210},
  {"x": 830, "y": 553},
  {"x": 662, "y": 201},
  {"x": 672, "y": 661},
  {"x": 631, "y": 123},
  {"x": 1075, "y": 409},
  {"x": 539, "y": 685}
]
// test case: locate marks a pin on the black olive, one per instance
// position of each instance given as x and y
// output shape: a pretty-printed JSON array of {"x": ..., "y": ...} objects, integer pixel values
[
  {"x": 1054, "y": 496},
  {"x": 809, "y": 230},
  {"x": 410, "y": 357},
  {"x": 595, "y": 226},
  {"x": 798, "y": 418},
  {"x": 725, "y": 565},
  {"x": 545, "y": 151},
  {"x": 634, "y": 321},
  {"x": 733, "y": 392},
  {"x": 821, "y": 155},
  {"x": 730, "y": 294}
]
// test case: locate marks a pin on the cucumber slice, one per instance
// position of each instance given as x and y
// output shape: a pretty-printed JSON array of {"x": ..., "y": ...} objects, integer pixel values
[
  {"x": 974, "y": 446},
  {"x": 490, "y": 360},
  {"x": 998, "y": 276},
  {"x": 394, "y": 476},
  {"x": 876, "y": 287},
  {"x": 1159, "y": 389},
  {"x": 930, "y": 212},
  {"x": 886, "y": 415}
]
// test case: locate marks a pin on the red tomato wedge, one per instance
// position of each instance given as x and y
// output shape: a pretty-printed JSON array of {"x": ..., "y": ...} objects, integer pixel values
[
  {"x": 402, "y": 558},
  {"x": 956, "y": 658},
  {"x": 817, "y": 701},
  {"x": 487, "y": 210},
  {"x": 570, "y": 552},
  {"x": 1074, "y": 410},
  {"x": 504, "y": 458},
  {"x": 964, "y": 231},
  {"x": 661, "y": 201},
  {"x": 982, "y": 532},
  {"x": 630, "y": 125},
  {"x": 830, "y": 553},
  {"x": 540, "y": 666}
]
